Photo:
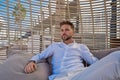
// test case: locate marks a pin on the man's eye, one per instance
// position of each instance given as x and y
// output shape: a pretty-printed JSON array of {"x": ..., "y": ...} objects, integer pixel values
[{"x": 61, "y": 30}]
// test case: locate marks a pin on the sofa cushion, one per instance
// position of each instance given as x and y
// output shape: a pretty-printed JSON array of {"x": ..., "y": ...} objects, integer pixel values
[
  {"x": 13, "y": 69},
  {"x": 103, "y": 52}
]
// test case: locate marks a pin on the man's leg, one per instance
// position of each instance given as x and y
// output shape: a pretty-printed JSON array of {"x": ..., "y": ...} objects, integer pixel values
[{"x": 107, "y": 68}]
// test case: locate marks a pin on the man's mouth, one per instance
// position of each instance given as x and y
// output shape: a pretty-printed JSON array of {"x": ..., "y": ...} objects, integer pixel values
[{"x": 64, "y": 36}]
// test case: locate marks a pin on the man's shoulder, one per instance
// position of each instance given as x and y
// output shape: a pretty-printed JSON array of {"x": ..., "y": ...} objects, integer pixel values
[{"x": 81, "y": 46}]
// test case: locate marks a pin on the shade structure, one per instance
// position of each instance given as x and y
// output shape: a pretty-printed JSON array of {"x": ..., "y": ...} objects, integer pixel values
[{"x": 97, "y": 23}]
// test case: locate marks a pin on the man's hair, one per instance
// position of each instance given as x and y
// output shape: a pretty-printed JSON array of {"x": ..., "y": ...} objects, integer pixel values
[{"x": 68, "y": 23}]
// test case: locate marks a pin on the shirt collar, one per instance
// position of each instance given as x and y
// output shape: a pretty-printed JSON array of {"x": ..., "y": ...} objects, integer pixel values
[{"x": 71, "y": 44}]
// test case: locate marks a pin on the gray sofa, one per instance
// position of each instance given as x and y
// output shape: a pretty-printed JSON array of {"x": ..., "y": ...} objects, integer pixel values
[{"x": 12, "y": 68}]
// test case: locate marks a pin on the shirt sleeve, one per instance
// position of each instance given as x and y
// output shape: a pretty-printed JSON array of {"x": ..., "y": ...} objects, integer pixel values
[
  {"x": 44, "y": 54},
  {"x": 87, "y": 55}
]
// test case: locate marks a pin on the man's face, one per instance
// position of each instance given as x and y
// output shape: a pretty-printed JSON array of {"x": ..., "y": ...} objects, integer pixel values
[{"x": 66, "y": 32}]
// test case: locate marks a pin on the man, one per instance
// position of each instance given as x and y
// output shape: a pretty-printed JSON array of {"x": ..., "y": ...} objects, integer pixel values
[{"x": 67, "y": 56}]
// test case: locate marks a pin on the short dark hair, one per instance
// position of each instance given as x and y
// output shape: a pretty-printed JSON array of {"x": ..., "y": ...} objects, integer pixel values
[{"x": 68, "y": 23}]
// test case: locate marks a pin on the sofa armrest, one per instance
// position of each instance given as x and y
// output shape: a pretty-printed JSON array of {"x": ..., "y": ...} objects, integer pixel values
[{"x": 13, "y": 69}]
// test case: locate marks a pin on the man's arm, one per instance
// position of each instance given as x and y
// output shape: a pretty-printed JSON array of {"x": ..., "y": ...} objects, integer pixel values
[
  {"x": 44, "y": 54},
  {"x": 32, "y": 64},
  {"x": 87, "y": 55}
]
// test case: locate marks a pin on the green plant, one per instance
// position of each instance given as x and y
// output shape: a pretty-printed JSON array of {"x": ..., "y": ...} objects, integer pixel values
[{"x": 19, "y": 13}]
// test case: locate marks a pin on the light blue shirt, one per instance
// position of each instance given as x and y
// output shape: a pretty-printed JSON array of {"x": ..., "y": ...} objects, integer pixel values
[{"x": 66, "y": 58}]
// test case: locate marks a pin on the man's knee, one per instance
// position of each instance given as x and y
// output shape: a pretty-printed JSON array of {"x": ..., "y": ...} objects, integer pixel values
[{"x": 115, "y": 55}]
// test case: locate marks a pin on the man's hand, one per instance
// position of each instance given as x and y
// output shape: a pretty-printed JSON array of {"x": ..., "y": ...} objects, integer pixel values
[{"x": 30, "y": 67}]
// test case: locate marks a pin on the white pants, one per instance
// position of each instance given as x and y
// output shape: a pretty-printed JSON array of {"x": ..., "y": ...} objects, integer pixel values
[{"x": 68, "y": 76}]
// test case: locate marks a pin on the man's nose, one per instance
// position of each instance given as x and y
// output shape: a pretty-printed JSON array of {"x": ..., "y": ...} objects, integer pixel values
[{"x": 64, "y": 32}]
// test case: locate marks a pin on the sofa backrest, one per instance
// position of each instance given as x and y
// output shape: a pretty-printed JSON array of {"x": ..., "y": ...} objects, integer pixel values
[{"x": 102, "y": 53}]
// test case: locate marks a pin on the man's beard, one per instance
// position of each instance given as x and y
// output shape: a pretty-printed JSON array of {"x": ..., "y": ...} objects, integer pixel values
[{"x": 69, "y": 37}]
